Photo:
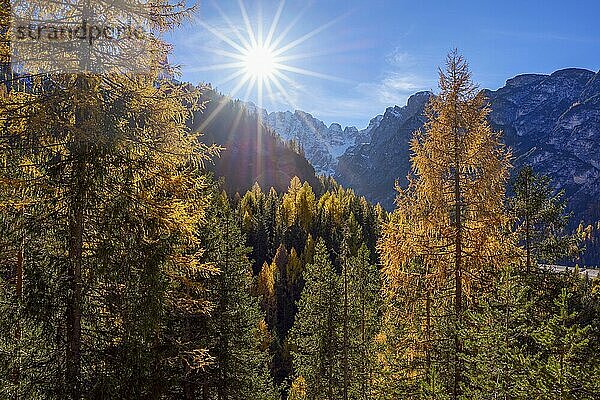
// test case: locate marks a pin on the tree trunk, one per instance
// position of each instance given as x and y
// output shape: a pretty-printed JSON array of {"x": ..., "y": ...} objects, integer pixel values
[
  {"x": 527, "y": 227},
  {"x": 458, "y": 252},
  {"x": 75, "y": 249},
  {"x": 74, "y": 282},
  {"x": 19, "y": 268},
  {"x": 345, "y": 344},
  {"x": 363, "y": 332},
  {"x": 428, "y": 332}
]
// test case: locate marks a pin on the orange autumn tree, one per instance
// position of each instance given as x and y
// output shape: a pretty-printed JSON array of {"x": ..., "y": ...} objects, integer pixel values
[{"x": 446, "y": 239}]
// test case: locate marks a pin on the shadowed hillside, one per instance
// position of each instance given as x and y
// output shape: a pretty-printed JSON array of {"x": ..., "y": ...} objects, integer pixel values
[{"x": 252, "y": 153}]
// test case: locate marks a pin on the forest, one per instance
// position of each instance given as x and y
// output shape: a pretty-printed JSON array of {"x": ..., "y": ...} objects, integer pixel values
[{"x": 128, "y": 271}]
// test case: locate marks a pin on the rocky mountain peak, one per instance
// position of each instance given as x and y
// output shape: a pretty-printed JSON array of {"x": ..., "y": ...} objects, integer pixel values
[
  {"x": 335, "y": 127},
  {"x": 416, "y": 103},
  {"x": 524, "y": 80},
  {"x": 571, "y": 73},
  {"x": 551, "y": 122}
]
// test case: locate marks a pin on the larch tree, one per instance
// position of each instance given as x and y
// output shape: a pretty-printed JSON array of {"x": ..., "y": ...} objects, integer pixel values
[
  {"x": 445, "y": 241},
  {"x": 109, "y": 173},
  {"x": 239, "y": 369},
  {"x": 299, "y": 204}
]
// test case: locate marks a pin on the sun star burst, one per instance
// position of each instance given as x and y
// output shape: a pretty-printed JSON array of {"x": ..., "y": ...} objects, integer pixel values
[{"x": 260, "y": 62}]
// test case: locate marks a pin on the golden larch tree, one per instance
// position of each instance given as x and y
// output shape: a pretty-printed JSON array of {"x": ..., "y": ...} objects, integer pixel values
[{"x": 446, "y": 238}]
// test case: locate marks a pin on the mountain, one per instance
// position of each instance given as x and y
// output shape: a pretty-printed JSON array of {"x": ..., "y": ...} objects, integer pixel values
[
  {"x": 251, "y": 151},
  {"x": 551, "y": 122},
  {"x": 372, "y": 168},
  {"x": 322, "y": 145}
]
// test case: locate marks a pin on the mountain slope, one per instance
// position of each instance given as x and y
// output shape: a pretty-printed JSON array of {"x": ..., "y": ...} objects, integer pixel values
[
  {"x": 372, "y": 168},
  {"x": 551, "y": 122},
  {"x": 252, "y": 153}
]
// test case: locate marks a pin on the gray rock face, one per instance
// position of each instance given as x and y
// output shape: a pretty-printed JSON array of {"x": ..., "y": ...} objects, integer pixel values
[
  {"x": 323, "y": 145},
  {"x": 551, "y": 122},
  {"x": 372, "y": 168}
]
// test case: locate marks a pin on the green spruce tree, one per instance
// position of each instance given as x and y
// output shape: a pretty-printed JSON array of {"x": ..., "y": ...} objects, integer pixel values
[
  {"x": 566, "y": 366},
  {"x": 497, "y": 336},
  {"x": 364, "y": 322},
  {"x": 238, "y": 368},
  {"x": 539, "y": 212},
  {"x": 316, "y": 336}
]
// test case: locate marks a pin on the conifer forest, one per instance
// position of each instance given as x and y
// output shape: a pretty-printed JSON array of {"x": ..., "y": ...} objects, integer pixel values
[{"x": 142, "y": 258}]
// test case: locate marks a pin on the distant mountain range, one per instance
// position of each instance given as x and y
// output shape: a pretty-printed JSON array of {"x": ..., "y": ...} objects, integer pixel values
[
  {"x": 551, "y": 122},
  {"x": 371, "y": 168},
  {"x": 322, "y": 145}
]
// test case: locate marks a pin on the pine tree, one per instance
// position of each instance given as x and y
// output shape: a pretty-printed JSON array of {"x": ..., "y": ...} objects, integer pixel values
[
  {"x": 316, "y": 335},
  {"x": 445, "y": 240},
  {"x": 497, "y": 337},
  {"x": 364, "y": 321},
  {"x": 108, "y": 171},
  {"x": 539, "y": 211},
  {"x": 238, "y": 369},
  {"x": 565, "y": 370},
  {"x": 261, "y": 223}
]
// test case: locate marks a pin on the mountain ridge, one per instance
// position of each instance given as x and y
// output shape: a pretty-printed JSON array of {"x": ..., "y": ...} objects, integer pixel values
[
  {"x": 321, "y": 144},
  {"x": 550, "y": 121}
]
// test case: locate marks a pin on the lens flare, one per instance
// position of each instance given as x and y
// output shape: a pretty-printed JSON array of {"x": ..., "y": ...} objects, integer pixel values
[{"x": 259, "y": 62}]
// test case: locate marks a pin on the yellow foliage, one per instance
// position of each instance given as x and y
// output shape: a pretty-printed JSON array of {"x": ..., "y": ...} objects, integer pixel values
[
  {"x": 298, "y": 389},
  {"x": 444, "y": 243},
  {"x": 264, "y": 335},
  {"x": 454, "y": 205},
  {"x": 293, "y": 267},
  {"x": 266, "y": 280},
  {"x": 299, "y": 204}
]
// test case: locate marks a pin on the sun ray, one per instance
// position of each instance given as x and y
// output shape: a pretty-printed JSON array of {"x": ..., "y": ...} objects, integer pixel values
[
  {"x": 274, "y": 24},
  {"x": 307, "y": 72},
  {"x": 288, "y": 28},
  {"x": 307, "y": 36},
  {"x": 285, "y": 93},
  {"x": 261, "y": 56},
  {"x": 224, "y": 53},
  {"x": 259, "y": 28},
  {"x": 236, "y": 31},
  {"x": 249, "y": 29},
  {"x": 251, "y": 83},
  {"x": 221, "y": 105},
  {"x": 236, "y": 122},
  {"x": 230, "y": 77},
  {"x": 217, "y": 67},
  {"x": 221, "y": 36},
  {"x": 304, "y": 56},
  {"x": 269, "y": 89}
]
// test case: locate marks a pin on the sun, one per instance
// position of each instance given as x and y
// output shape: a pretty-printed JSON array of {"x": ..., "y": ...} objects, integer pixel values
[
  {"x": 259, "y": 62},
  {"x": 260, "y": 58}
]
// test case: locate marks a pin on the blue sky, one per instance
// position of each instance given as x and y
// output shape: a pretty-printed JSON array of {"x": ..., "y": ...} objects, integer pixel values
[{"x": 370, "y": 55}]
